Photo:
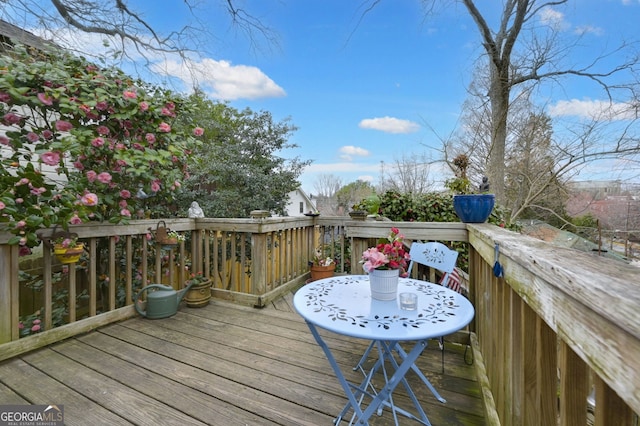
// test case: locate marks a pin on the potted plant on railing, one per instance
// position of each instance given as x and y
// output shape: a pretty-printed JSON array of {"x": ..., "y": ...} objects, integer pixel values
[
  {"x": 67, "y": 249},
  {"x": 469, "y": 206},
  {"x": 321, "y": 266}
]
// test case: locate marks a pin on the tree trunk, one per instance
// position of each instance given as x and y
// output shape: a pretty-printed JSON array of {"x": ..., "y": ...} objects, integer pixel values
[{"x": 499, "y": 97}]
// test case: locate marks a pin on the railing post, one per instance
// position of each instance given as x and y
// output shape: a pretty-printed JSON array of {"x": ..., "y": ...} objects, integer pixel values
[
  {"x": 258, "y": 263},
  {"x": 8, "y": 293}
]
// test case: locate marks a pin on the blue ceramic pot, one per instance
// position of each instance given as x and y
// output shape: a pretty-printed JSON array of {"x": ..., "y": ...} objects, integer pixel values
[{"x": 473, "y": 208}]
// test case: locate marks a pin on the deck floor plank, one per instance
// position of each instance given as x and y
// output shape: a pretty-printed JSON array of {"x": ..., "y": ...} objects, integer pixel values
[{"x": 223, "y": 364}]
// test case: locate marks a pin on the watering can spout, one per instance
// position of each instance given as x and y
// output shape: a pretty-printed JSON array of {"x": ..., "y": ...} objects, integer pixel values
[{"x": 184, "y": 291}]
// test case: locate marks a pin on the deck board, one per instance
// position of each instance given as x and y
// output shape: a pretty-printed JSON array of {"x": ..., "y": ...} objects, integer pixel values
[{"x": 223, "y": 364}]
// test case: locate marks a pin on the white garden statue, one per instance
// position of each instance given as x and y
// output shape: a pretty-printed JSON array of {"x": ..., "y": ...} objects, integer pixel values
[{"x": 195, "y": 210}]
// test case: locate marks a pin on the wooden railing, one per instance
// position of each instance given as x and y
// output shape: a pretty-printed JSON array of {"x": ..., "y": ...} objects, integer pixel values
[
  {"x": 249, "y": 261},
  {"x": 559, "y": 324},
  {"x": 559, "y": 327}
]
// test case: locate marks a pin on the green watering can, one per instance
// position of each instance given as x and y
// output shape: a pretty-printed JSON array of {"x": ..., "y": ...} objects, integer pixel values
[{"x": 161, "y": 303}]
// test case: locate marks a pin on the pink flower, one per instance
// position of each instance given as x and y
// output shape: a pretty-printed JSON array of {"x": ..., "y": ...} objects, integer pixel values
[
  {"x": 150, "y": 137},
  {"x": 75, "y": 220},
  {"x": 167, "y": 112},
  {"x": 102, "y": 105},
  {"x": 45, "y": 99},
  {"x": 50, "y": 158},
  {"x": 125, "y": 193},
  {"x": 5, "y": 97},
  {"x": 91, "y": 176},
  {"x": 24, "y": 251},
  {"x": 144, "y": 106},
  {"x": 164, "y": 127},
  {"x": 198, "y": 131},
  {"x": 374, "y": 259},
  {"x": 104, "y": 177},
  {"x": 19, "y": 200},
  {"x": 4, "y": 140},
  {"x": 122, "y": 204},
  {"x": 125, "y": 212},
  {"x": 155, "y": 186},
  {"x": 33, "y": 137},
  {"x": 38, "y": 191},
  {"x": 129, "y": 94},
  {"x": 36, "y": 321},
  {"x": 97, "y": 142},
  {"x": 103, "y": 130},
  {"x": 23, "y": 181},
  {"x": 2, "y": 205},
  {"x": 35, "y": 328},
  {"x": 47, "y": 134},
  {"x": 21, "y": 224},
  {"x": 89, "y": 199},
  {"x": 85, "y": 108},
  {"x": 63, "y": 126},
  {"x": 78, "y": 165},
  {"x": 12, "y": 118}
]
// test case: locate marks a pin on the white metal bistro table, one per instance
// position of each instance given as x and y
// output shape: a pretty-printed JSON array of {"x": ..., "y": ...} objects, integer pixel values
[{"x": 343, "y": 305}]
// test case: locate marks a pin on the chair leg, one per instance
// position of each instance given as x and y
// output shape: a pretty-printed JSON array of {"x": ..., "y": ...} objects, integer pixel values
[{"x": 441, "y": 343}]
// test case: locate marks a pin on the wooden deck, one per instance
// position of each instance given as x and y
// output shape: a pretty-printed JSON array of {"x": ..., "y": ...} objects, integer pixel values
[{"x": 219, "y": 365}]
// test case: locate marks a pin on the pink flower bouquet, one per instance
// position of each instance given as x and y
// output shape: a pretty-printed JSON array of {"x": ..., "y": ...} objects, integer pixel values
[{"x": 388, "y": 254}]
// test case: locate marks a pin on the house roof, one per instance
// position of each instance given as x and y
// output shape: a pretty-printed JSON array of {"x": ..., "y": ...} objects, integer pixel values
[
  {"x": 545, "y": 232},
  {"x": 11, "y": 34}
]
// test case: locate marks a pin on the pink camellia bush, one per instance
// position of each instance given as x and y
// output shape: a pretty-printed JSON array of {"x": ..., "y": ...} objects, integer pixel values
[{"x": 79, "y": 141}]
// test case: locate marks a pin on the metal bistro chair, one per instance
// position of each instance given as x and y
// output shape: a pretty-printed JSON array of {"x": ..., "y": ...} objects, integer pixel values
[
  {"x": 434, "y": 255},
  {"x": 438, "y": 256}
]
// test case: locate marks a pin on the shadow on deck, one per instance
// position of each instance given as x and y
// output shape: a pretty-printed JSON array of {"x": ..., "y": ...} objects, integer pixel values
[{"x": 220, "y": 365}]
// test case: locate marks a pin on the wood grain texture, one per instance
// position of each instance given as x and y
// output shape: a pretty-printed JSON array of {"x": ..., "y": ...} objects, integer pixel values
[{"x": 223, "y": 364}]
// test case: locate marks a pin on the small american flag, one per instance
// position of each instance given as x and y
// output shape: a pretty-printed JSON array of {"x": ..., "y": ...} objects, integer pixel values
[{"x": 454, "y": 280}]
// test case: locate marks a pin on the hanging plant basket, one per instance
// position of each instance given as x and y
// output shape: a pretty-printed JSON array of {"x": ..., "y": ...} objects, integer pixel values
[
  {"x": 162, "y": 235},
  {"x": 67, "y": 254}
]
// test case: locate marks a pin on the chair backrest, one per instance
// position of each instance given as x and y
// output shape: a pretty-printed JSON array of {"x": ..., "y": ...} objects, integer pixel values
[{"x": 434, "y": 255}]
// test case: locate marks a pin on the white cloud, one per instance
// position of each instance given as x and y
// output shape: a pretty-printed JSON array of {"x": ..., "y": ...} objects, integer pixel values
[
  {"x": 222, "y": 79},
  {"x": 588, "y": 29},
  {"x": 595, "y": 110},
  {"x": 389, "y": 125},
  {"x": 345, "y": 167},
  {"x": 366, "y": 178},
  {"x": 349, "y": 151},
  {"x": 553, "y": 18}
]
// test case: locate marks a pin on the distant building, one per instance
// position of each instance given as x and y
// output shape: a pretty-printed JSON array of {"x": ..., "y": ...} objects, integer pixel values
[
  {"x": 598, "y": 189},
  {"x": 300, "y": 203}
]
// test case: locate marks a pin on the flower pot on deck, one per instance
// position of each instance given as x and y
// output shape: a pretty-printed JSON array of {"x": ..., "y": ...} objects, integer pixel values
[
  {"x": 199, "y": 295},
  {"x": 320, "y": 272}
]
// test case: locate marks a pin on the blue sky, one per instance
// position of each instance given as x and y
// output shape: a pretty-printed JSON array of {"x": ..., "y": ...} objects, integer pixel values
[{"x": 366, "y": 91}]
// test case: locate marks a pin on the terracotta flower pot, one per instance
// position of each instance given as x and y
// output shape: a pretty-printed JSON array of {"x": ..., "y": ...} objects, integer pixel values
[{"x": 320, "y": 272}]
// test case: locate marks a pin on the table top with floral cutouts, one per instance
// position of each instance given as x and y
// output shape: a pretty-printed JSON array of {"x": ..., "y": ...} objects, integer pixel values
[{"x": 343, "y": 304}]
